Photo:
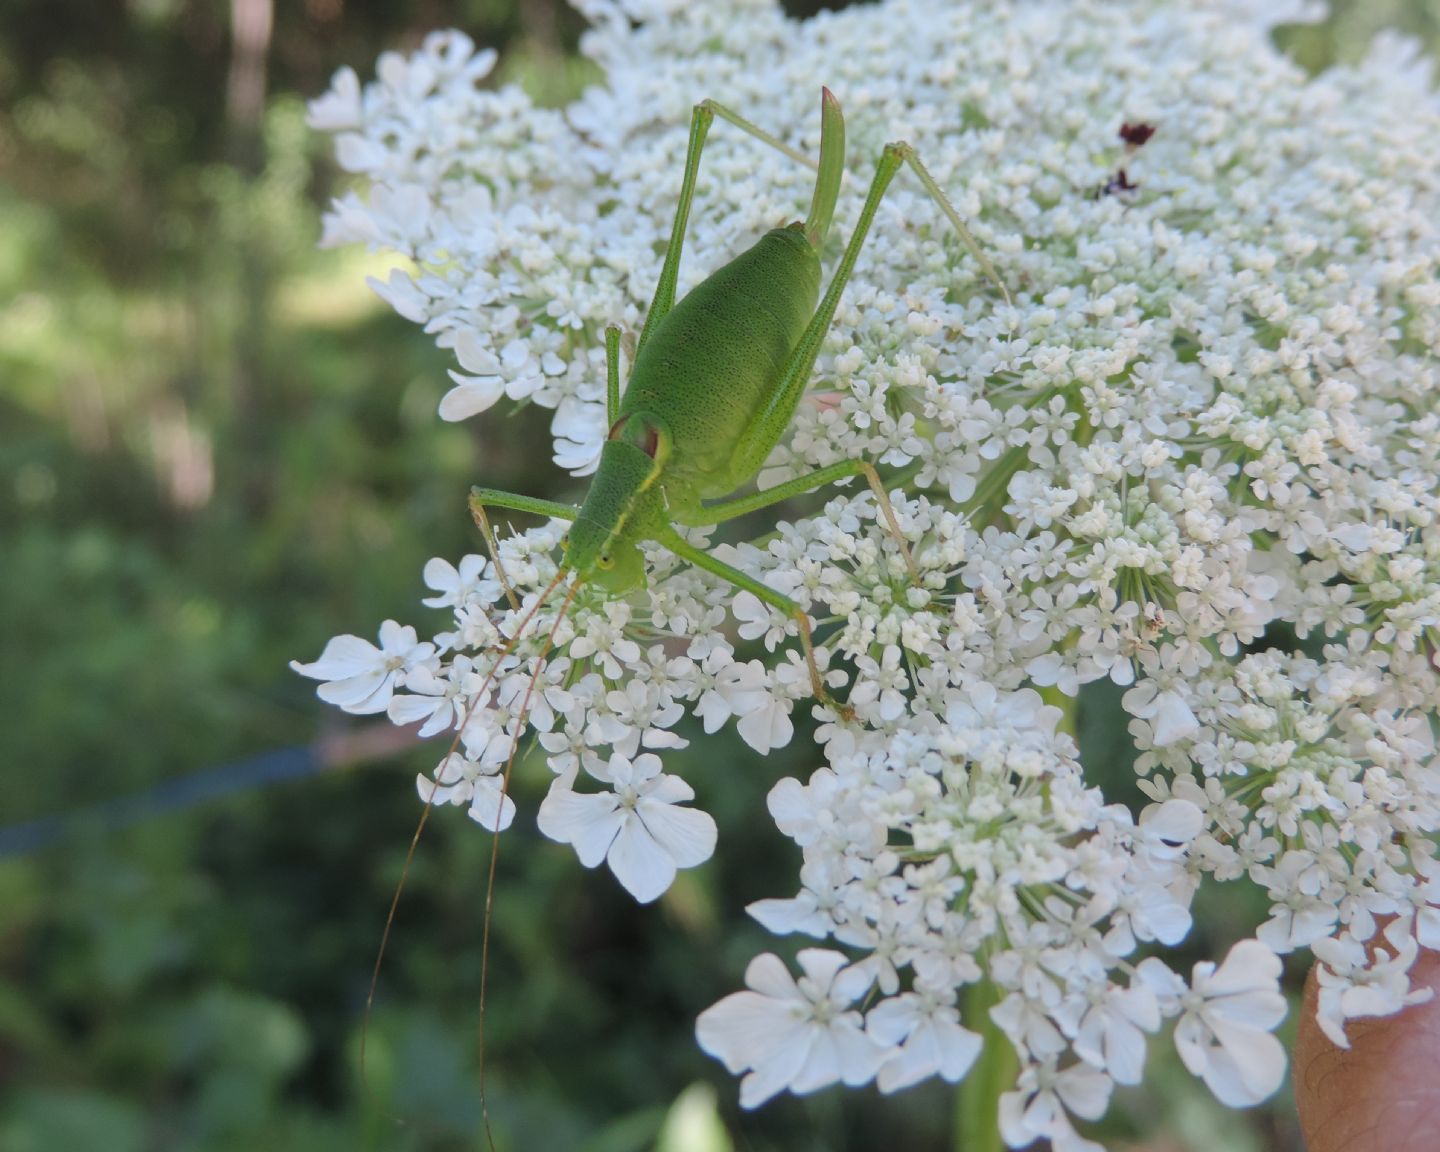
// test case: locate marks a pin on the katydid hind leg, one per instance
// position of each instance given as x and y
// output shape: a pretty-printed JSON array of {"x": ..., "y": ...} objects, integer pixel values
[
  {"x": 763, "y": 592},
  {"x": 612, "y": 375},
  {"x": 937, "y": 194},
  {"x": 774, "y": 417},
  {"x": 770, "y": 423},
  {"x": 664, "y": 300},
  {"x": 831, "y": 170},
  {"x": 751, "y": 128},
  {"x": 830, "y": 167}
]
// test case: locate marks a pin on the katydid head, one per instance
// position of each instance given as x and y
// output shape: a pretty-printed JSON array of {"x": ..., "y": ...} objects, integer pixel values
[
  {"x": 597, "y": 554},
  {"x": 603, "y": 545}
]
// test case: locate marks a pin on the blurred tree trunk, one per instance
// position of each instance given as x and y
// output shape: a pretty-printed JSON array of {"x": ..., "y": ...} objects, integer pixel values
[{"x": 251, "y": 27}]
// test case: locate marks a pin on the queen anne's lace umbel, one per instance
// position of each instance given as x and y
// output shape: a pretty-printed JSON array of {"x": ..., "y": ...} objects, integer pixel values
[{"x": 1198, "y": 455}]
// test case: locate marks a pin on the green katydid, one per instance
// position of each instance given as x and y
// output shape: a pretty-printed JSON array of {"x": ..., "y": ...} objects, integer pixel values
[{"x": 715, "y": 383}]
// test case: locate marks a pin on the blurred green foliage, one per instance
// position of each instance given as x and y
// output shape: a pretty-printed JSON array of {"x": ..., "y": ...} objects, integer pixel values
[{"x": 216, "y": 450}]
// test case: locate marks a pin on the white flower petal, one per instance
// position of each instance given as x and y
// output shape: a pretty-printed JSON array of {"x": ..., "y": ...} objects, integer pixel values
[
  {"x": 639, "y": 863},
  {"x": 687, "y": 835},
  {"x": 489, "y": 804},
  {"x": 1246, "y": 1068},
  {"x": 470, "y": 396},
  {"x": 588, "y": 822},
  {"x": 361, "y": 695},
  {"x": 344, "y": 656}
]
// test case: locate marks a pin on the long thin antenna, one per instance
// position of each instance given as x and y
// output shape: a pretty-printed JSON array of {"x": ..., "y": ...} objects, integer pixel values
[
  {"x": 495, "y": 842},
  {"x": 505, "y": 651}
]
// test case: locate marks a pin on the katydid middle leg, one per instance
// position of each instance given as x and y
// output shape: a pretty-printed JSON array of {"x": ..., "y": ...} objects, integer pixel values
[
  {"x": 480, "y": 498},
  {"x": 722, "y": 510},
  {"x": 763, "y": 592}
]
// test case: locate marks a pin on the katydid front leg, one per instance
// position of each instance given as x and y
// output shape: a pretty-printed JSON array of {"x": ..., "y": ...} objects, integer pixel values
[{"x": 480, "y": 498}]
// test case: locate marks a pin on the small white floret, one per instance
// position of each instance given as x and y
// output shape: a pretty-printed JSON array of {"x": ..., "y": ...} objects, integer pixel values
[
  {"x": 637, "y": 828},
  {"x": 797, "y": 1035},
  {"x": 361, "y": 677},
  {"x": 1224, "y": 1033}
]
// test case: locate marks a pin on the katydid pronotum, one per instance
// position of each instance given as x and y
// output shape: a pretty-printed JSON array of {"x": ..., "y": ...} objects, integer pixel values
[{"x": 714, "y": 385}]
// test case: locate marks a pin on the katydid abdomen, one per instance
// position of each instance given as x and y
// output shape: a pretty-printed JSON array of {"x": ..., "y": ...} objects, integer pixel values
[
  {"x": 714, "y": 361},
  {"x": 708, "y": 369}
]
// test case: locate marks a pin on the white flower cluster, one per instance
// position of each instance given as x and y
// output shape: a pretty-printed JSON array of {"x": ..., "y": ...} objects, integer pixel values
[{"x": 1198, "y": 454}]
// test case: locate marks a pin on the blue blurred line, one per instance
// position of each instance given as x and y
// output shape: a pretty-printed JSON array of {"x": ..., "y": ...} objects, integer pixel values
[{"x": 168, "y": 796}]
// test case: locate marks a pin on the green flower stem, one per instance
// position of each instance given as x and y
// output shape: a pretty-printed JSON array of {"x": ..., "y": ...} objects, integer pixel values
[
  {"x": 977, "y": 1100},
  {"x": 1069, "y": 710},
  {"x": 977, "y": 1112}
]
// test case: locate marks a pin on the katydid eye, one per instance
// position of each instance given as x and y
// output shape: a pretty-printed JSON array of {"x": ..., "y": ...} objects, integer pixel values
[{"x": 605, "y": 560}]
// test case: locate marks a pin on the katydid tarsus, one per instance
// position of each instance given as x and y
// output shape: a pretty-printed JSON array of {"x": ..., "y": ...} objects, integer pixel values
[{"x": 714, "y": 385}]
